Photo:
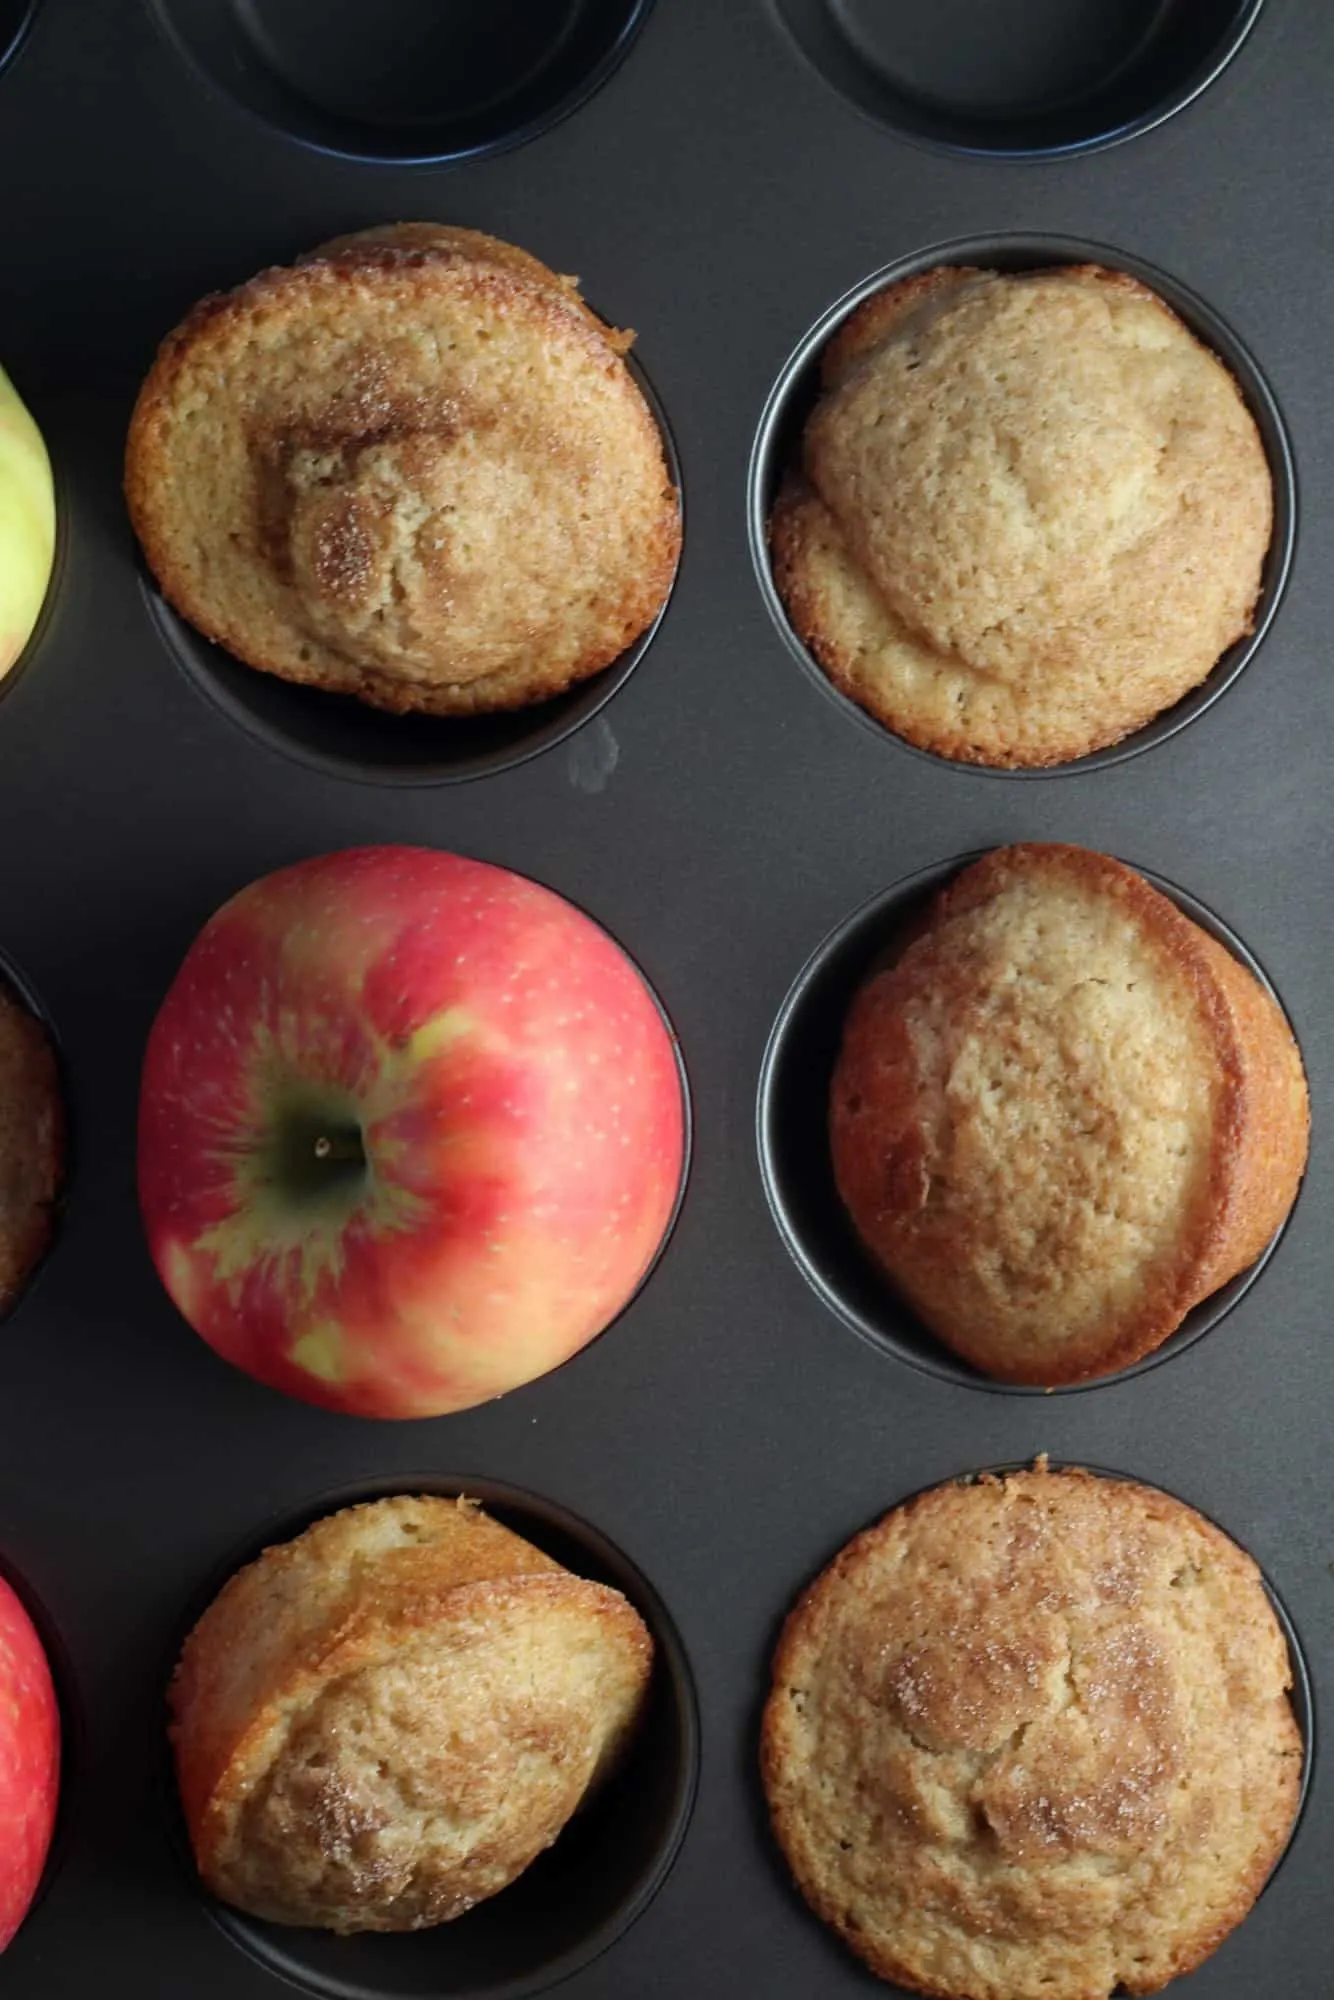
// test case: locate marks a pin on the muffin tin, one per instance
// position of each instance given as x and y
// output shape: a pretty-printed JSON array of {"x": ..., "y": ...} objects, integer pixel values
[
  {"x": 412, "y": 81},
  {"x": 1023, "y": 79},
  {"x": 713, "y": 809}
]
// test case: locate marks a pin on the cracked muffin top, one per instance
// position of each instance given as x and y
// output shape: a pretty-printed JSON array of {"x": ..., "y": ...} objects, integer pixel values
[
  {"x": 384, "y": 1721},
  {"x": 1064, "y": 1115},
  {"x": 1031, "y": 514},
  {"x": 413, "y": 467},
  {"x": 1030, "y": 1739}
]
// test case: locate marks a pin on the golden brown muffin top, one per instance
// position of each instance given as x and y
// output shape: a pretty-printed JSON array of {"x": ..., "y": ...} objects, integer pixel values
[
  {"x": 1034, "y": 512},
  {"x": 32, "y": 1143},
  {"x": 412, "y": 467},
  {"x": 387, "y": 1719},
  {"x": 1064, "y": 1115},
  {"x": 1029, "y": 1739}
]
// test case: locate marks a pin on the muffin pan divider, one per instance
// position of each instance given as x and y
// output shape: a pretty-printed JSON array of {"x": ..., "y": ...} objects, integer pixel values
[{"x": 720, "y": 818}]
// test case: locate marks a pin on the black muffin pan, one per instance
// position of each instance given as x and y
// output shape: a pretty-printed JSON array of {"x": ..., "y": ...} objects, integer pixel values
[
  {"x": 412, "y": 81},
  {"x": 1020, "y": 79},
  {"x": 727, "y": 179}
]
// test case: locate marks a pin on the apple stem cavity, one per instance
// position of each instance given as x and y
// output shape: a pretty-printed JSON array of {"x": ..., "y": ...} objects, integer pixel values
[{"x": 314, "y": 1152}]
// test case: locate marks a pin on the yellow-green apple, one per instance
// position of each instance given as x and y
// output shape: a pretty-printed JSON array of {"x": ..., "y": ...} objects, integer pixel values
[
  {"x": 411, "y": 1131},
  {"x": 27, "y": 524},
  {"x": 29, "y": 1762}
]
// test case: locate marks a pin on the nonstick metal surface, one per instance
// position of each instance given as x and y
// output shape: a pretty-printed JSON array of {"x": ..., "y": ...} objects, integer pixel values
[{"x": 720, "y": 817}]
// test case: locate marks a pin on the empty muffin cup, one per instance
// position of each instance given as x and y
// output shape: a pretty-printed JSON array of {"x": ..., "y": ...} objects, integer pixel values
[
  {"x": 778, "y": 448},
  {"x": 407, "y": 81},
  {"x": 1020, "y": 79},
  {"x": 792, "y": 1128},
  {"x": 346, "y": 738},
  {"x": 578, "y": 1897}
]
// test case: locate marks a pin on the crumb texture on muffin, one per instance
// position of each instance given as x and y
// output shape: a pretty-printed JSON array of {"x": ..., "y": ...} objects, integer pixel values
[
  {"x": 1030, "y": 1739},
  {"x": 1064, "y": 1115},
  {"x": 386, "y": 1720},
  {"x": 413, "y": 467},
  {"x": 1032, "y": 512},
  {"x": 32, "y": 1143}
]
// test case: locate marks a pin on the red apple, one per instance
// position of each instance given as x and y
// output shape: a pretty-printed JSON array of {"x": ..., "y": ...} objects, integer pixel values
[
  {"x": 29, "y": 1762},
  {"x": 411, "y": 1131}
]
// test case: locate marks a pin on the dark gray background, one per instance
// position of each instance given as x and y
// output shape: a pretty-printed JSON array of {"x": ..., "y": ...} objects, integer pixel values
[{"x": 729, "y": 1434}]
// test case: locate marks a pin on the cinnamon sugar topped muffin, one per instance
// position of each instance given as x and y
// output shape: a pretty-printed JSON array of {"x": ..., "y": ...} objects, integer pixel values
[
  {"x": 1064, "y": 1115},
  {"x": 413, "y": 467},
  {"x": 1030, "y": 1739},
  {"x": 1031, "y": 513},
  {"x": 384, "y": 1721}
]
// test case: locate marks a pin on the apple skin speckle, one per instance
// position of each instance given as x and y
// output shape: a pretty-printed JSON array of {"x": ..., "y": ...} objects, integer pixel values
[{"x": 517, "y": 1095}]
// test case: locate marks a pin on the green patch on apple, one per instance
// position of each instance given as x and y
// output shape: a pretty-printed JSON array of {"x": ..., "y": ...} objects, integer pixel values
[
  {"x": 27, "y": 524},
  {"x": 302, "y": 1173}
]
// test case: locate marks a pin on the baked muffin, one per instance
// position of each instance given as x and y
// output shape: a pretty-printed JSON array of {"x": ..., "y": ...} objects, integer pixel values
[
  {"x": 413, "y": 468},
  {"x": 386, "y": 1720},
  {"x": 32, "y": 1143},
  {"x": 1063, "y": 1116},
  {"x": 1030, "y": 1739},
  {"x": 1031, "y": 514}
]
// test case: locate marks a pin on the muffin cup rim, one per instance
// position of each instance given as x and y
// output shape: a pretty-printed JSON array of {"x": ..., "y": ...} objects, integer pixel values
[
  {"x": 161, "y": 13},
  {"x": 14, "y": 37},
  {"x": 1163, "y": 109}
]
